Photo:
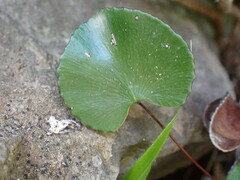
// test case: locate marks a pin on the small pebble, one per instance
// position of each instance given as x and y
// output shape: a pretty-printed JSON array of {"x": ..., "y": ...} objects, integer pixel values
[{"x": 65, "y": 164}]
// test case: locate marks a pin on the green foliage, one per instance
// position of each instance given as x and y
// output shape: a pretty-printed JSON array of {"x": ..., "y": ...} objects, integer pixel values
[
  {"x": 142, "y": 167},
  {"x": 234, "y": 173},
  {"x": 120, "y": 57}
]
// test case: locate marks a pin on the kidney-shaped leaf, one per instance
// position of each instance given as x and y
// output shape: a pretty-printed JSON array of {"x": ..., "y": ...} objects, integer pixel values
[{"x": 120, "y": 57}]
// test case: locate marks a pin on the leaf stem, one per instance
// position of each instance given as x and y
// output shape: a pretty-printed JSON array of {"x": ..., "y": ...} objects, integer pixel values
[{"x": 175, "y": 141}]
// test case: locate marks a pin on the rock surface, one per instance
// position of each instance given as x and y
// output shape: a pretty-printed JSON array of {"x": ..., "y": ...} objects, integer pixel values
[{"x": 33, "y": 34}]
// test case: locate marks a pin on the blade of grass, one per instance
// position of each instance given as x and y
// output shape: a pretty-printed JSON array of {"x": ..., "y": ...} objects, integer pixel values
[
  {"x": 175, "y": 141},
  {"x": 141, "y": 168},
  {"x": 234, "y": 173}
]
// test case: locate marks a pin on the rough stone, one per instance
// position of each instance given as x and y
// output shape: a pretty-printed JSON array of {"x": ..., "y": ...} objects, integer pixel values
[
  {"x": 33, "y": 34},
  {"x": 8, "y": 149}
]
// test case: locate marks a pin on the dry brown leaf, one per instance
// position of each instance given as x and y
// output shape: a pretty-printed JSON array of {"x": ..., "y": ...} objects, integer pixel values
[{"x": 222, "y": 117}]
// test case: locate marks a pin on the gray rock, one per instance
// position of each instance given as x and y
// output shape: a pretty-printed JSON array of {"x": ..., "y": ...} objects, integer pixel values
[
  {"x": 32, "y": 36},
  {"x": 7, "y": 155},
  {"x": 3, "y": 159}
]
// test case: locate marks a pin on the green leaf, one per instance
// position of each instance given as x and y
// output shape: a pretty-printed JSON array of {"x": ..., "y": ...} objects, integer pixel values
[
  {"x": 141, "y": 168},
  {"x": 234, "y": 173},
  {"x": 120, "y": 57}
]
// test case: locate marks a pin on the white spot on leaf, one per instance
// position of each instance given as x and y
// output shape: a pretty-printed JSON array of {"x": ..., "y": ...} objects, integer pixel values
[
  {"x": 136, "y": 17},
  {"x": 191, "y": 45},
  {"x": 87, "y": 54},
  {"x": 113, "y": 40}
]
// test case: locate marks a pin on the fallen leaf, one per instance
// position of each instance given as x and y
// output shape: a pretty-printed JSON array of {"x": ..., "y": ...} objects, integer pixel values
[
  {"x": 57, "y": 126},
  {"x": 222, "y": 117}
]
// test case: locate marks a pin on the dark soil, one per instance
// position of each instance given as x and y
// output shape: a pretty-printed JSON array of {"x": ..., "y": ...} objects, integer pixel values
[{"x": 216, "y": 162}]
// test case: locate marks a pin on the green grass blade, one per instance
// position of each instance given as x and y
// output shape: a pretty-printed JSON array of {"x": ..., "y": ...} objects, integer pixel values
[
  {"x": 141, "y": 168},
  {"x": 234, "y": 173}
]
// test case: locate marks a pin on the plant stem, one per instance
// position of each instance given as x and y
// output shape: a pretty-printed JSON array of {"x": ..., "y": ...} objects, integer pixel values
[{"x": 175, "y": 141}]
